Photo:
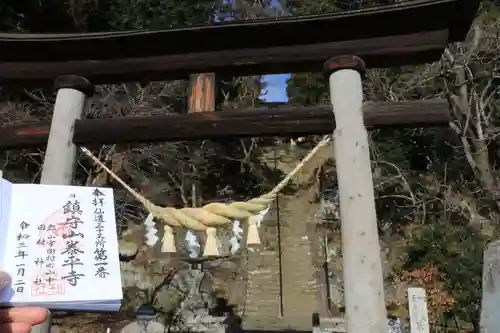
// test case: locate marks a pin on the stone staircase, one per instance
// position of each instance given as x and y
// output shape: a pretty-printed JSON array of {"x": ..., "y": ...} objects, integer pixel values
[
  {"x": 262, "y": 306},
  {"x": 299, "y": 283},
  {"x": 262, "y": 301}
]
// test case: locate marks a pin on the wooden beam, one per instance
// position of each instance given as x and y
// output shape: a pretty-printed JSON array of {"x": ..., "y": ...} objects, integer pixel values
[
  {"x": 201, "y": 96},
  {"x": 376, "y": 52},
  {"x": 202, "y": 101},
  {"x": 401, "y": 18},
  {"x": 278, "y": 121}
]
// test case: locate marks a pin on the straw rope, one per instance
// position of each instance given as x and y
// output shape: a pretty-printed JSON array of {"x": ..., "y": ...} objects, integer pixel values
[{"x": 212, "y": 214}]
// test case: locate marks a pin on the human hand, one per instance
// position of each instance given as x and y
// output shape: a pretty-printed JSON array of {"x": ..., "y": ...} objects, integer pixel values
[{"x": 19, "y": 320}]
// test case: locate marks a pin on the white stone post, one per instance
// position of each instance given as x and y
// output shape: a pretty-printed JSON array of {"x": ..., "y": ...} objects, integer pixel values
[
  {"x": 490, "y": 302},
  {"x": 60, "y": 156},
  {"x": 417, "y": 306},
  {"x": 363, "y": 279}
]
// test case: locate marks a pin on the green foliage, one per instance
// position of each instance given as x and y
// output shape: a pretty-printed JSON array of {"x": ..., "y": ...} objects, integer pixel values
[
  {"x": 92, "y": 15},
  {"x": 36, "y": 16},
  {"x": 307, "y": 89},
  {"x": 324, "y": 6},
  {"x": 457, "y": 252},
  {"x": 159, "y": 14}
]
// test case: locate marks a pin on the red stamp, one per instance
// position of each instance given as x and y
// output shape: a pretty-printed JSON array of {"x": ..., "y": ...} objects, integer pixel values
[
  {"x": 56, "y": 230},
  {"x": 47, "y": 283}
]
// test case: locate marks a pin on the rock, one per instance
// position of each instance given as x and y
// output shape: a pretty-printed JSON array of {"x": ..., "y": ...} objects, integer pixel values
[
  {"x": 395, "y": 325},
  {"x": 133, "y": 298},
  {"x": 135, "y": 276},
  {"x": 168, "y": 299},
  {"x": 150, "y": 327},
  {"x": 127, "y": 250}
]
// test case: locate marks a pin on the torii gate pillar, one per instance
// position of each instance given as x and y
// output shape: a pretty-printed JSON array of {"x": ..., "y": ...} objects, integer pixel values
[
  {"x": 61, "y": 154},
  {"x": 363, "y": 279}
]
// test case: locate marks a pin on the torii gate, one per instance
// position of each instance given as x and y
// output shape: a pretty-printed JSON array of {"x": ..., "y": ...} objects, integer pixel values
[{"x": 413, "y": 41}]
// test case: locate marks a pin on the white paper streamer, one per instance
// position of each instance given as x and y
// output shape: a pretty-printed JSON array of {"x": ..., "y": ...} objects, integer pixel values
[
  {"x": 192, "y": 244},
  {"x": 261, "y": 216},
  {"x": 151, "y": 231},
  {"x": 235, "y": 240}
]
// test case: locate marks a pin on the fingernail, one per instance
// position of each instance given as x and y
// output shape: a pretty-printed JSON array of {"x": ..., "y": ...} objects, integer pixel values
[{"x": 4, "y": 280}]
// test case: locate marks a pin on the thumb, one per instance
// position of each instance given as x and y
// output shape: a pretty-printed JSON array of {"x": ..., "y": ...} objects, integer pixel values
[{"x": 4, "y": 280}]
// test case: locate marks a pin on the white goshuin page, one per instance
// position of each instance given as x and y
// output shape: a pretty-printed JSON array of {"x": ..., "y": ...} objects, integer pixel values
[{"x": 59, "y": 245}]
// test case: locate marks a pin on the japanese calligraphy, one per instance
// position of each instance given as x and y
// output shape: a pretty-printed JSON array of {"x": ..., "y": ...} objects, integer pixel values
[
  {"x": 47, "y": 280},
  {"x": 22, "y": 239},
  {"x": 72, "y": 237},
  {"x": 100, "y": 251}
]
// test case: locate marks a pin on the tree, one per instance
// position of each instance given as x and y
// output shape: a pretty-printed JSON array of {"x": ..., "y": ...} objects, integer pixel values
[{"x": 472, "y": 72}]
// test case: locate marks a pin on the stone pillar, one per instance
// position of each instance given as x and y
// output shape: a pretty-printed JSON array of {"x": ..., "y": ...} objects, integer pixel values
[
  {"x": 60, "y": 155},
  {"x": 363, "y": 280}
]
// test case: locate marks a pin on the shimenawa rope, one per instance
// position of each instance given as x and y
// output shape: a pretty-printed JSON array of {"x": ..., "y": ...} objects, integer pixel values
[{"x": 208, "y": 217}]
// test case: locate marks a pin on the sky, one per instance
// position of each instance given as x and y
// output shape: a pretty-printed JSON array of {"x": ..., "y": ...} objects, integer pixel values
[
  {"x": 276, "y": 84},
  {"x": 275, "y": 90}
]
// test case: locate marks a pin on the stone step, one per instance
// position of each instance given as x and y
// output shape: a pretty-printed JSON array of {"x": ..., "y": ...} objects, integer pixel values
[
  {"x": 266, "y": 310},
  {"x": 270, "y": 289},
  {"x": 269, "y": 308},
  {"x": 296, "y": 244},
  {"x": 272, "y": 280},
  {"x": 298, "y": 287},
  {"x": 272, "y": 300},
  {"x": 256, "y": 297},
  {"x": 259, "y": 270},
  {"x": 263, "y": 277},
  {"x": 256, "y": 273},
  {"x": 290, "y": 296},
  {"x": 266, "y": 278},
  {"x": 304, "y": 276},
  {"x": 294, "y": 309},
  {"x": 299, "y": 284},
  {"x": 304, "y": 284},
  {"x": 263, "y": 280},
  {"x": 286, "y": 323},
  {"x": 263, "y": 299}
]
